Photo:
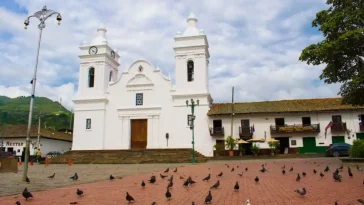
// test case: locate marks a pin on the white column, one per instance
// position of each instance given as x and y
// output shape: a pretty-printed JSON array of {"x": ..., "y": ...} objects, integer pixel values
[
  {"x": 150, "y": 135},
  {"x": 121, "y": 123},
  {"x": 126, "y": 133},
  {"x": 156, "y": 131}
]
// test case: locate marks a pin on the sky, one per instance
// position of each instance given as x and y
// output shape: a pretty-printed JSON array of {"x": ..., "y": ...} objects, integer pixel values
[{"x": 254, "y": 45}]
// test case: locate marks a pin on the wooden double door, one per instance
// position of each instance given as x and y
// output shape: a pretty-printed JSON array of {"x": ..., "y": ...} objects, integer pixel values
[{"x": 139, "y": 134}]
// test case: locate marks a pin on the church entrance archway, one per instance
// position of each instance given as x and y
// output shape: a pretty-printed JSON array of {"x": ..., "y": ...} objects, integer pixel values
[{"x": 139, "y": 133}]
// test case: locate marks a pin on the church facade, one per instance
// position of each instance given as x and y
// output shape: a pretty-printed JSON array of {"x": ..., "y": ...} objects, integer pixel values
[{"x": 140, "y": 107}]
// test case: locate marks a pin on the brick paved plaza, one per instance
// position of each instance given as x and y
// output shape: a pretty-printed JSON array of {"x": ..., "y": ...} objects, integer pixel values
[{"x": 274, "y": 188}]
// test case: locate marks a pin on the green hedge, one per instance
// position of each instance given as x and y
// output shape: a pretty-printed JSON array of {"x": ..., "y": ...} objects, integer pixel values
[{"x": 357, "y": 150}]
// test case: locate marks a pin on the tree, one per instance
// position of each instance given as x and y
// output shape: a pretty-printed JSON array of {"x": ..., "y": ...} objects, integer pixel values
[{"x": 342, "y": 50}]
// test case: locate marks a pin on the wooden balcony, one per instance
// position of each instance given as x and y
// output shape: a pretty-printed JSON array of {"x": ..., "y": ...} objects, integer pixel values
[
  {"x": 217, "y": 131},
  {"x": 361, "y": 127},
  {"x": 338, "y": 127},
  {"x": 297, "y": 128},
  {"x": 245, "y": 133}
]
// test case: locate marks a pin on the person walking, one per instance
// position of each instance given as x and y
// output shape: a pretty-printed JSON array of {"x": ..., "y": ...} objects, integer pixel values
[{"x": 39, "y": 155}]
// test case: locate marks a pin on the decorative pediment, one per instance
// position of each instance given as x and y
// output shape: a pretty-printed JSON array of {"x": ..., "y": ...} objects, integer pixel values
[{"x": 140, "y": 82}]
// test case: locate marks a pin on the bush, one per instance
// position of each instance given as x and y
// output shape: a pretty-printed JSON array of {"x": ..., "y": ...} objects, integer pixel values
[
  {"x": 357, "y": 150},
  {"x": 255, "y": 149}
]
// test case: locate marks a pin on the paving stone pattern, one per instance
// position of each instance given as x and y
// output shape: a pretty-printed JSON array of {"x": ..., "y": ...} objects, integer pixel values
[{"x": 273, "y": 188}]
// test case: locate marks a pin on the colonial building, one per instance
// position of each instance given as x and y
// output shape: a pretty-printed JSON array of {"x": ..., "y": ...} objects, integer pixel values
[
  {"x": 50, "y": 141},
  {"x": 305, "y": 126},
  {"x": 139, "y": 107}
]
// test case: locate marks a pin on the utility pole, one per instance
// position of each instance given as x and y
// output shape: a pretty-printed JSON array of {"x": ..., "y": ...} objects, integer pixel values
[
  {"x": 232, "y": 112},
  {"x": 192, "y": 126},
  {"x": 42, "y": 16}
]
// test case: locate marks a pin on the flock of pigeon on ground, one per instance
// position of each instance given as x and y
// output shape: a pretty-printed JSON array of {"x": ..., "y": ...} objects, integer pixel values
[{"x": 190, "y": 182}]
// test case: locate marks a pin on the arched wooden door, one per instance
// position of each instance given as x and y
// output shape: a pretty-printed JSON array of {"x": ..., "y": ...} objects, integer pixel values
[{"x": 139, "y": 133}]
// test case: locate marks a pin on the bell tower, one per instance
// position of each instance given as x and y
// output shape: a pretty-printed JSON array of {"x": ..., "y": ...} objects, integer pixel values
[
  {"x": 192, "y": 59},
  {"x": 98, "y": 66}
]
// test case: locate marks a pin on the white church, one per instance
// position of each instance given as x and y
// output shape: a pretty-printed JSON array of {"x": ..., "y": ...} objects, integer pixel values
[{"x": 140, "y": 107}]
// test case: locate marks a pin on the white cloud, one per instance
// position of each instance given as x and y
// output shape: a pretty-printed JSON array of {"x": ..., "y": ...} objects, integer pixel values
[{"x": 254, "y": 45}]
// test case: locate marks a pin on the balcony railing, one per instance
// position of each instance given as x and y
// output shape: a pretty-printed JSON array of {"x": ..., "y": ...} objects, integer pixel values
[
  {"x": 245, "y": 133},
  {"x": 297, "y": 128},
  {"x": 217, "y": 131},
  {"x": 361, "y": 126},
  {"x": 338, "y": 127}
]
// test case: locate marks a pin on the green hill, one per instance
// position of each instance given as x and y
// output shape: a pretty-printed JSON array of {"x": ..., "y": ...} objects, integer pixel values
[{"x": 53, "y": 114}]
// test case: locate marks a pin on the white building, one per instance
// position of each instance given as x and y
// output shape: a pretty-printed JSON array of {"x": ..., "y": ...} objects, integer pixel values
[
  {"x": 50, "y": 141},
  {"x": 138, "y": 106}
]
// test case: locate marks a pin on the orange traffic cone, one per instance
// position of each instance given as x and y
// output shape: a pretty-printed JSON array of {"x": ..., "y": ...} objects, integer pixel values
[
  {"x": 31, "y": 162},
  {"x": 46, "y": 161},
  {"x": 70, "y": 162},
  {"x": 19, "y": 162}
]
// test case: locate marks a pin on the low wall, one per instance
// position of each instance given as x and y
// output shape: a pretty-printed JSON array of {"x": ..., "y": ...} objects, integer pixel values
[{"x": 8, "y": 164}]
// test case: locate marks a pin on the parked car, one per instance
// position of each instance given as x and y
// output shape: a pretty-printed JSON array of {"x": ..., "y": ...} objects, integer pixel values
[
  {"x": 6, "y": 154},
  {"x": 338, "y": 149},
  {"x": 52, "y": 154}
]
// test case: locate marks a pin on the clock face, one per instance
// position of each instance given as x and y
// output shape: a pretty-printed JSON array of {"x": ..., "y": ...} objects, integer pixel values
[
  {"x": 112, "y": 54},
  {"x": 92, "y": 50}
]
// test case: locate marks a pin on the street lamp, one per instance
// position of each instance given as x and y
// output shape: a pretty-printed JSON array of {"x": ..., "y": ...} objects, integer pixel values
[
  {"x": 42, "y": 15},
  {"x": 192, "y": 125}
]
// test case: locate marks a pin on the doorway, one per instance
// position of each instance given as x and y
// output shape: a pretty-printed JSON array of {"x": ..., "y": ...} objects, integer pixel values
[
  {"x": 139, "y": 134},
  {"x": 283, "y": 144}
]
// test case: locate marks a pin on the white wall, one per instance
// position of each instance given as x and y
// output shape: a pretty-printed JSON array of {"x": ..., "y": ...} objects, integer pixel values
[{"x": 262, "y": 123}]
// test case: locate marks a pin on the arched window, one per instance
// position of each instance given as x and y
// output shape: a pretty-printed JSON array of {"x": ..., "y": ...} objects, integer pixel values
[
  {"x": 91, "y": 77},
  {"x": 190, "y": 71},
  {"x": 110, "y": 76}
]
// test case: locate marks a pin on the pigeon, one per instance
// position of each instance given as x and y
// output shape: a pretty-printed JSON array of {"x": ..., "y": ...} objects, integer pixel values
[
  {"x": 207, "y": 178},
  {"x": 185, "y": 184},
  {"x": 314, "y": 171},
  {"x": 74, "y": 177},
  {"x": 241, "y": 175},
  {"x": 168, "y": 194},
  {"x": 181, "y": 177},
  {"x": 246, "y": 169},
  {"x": 143, "y": 184},
  {"x": 283, "y": 171},
  {"x": 190, "y": 181},
  {"x": 232, "y": 169},
  {"x": 321, "y": 175},
  {"x": 327, "y": 169},
  {"x": 79, "y": 192},
  {"x": 298, "y": 177},
  {"x": 154, "y": 203},
  {"x": 349, "y": 172},
  {"x": 216, "y": 185},
  {"x": 263, "y": 170},
  {"x": 208, "y": 198},
  {"x": 52, "y": 176},
  {"x": 336, "y": 177},
  {"x": 360, "y": 201},
  {"x": 301, "y": 192},
  {"x": 219, "y": 175},
  {"x": 193, "y": 203},
  {"x": 236, "y": 187},
  {"x": 26, "y": 194},
  {"x": 291, "y": 169},
  {"x": 129, "y": 198},
  {"x": 167, "y": 170},
  {"x": 336, "y": 203},
  {"x": 175, "y": 170},
  {"x": 111, "y": 177},
  {"x": 304, "y": 174},
  {"x": 162, "y": 176},
  {"x": 75, "y": 202},
  {"x": 152, "y": 180},
  {"x": 336, "y": 171},
  {"x": 171, "y": 178},
  {"x": 170, "y": 184},
  {"x": 17, "y": 203},
  {"x": 27, "y": 180},
  {"x": 247, "y": 202},
  {"x": 256, "y": 179}
]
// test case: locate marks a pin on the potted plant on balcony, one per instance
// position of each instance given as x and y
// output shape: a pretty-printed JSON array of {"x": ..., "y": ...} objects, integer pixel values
[
  {"x": 230, "y": 143},
  {"x": 218, "y": 149},
  {"x": 255, "y": 149}
]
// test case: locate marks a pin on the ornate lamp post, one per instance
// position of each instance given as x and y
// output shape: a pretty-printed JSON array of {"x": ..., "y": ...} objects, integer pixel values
[
  {"x": 42, "y": 15},
  {"x": 192, "y": 125}
]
